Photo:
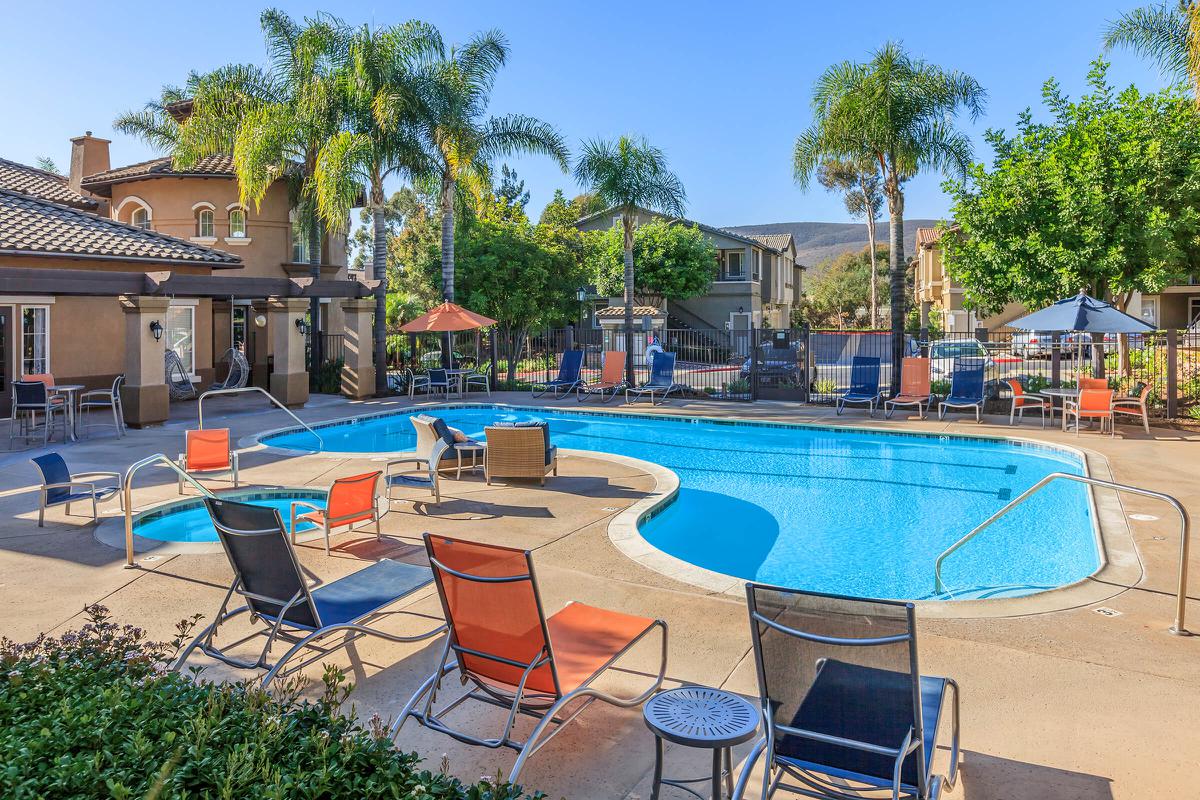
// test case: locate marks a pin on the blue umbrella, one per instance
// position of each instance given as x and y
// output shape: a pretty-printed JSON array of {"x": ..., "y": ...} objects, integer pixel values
[{"x": 1081, "y": 313}]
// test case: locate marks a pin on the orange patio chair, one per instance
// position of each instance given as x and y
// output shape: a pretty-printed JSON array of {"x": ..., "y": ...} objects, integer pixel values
[
  {"x": 509, "y": 654},
  {"x": 1092, "y": 404},
  {"x": 208, "y": 450},
  {"x": 1135, "y": 405},
  {"x": 914, "y": 387},
  {"x": 1022, "y": 400},
  {"x": 612, "y": 378},
  {"x": 1093, "y": 383},
  {"x": 351, "y": 500}
]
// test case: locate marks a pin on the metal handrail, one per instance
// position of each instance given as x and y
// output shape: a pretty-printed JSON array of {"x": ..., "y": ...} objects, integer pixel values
[
  {"x": 265, "y": 393},
  {"x": 127, "y": 489},
  {"x": 1184, "y": 534}
]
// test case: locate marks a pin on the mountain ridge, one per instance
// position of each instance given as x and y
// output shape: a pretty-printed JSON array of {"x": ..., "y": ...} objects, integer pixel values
[{"x": 819, "y": 242}]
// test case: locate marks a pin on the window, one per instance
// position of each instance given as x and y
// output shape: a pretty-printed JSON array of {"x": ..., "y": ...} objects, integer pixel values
[
  {"x": 1150, "y": 310},
  {"x": 204, "y": 224},
  {"x": 181, "y": 334},
  {"x": 299, "y": 240},
  {"x": 237, "y": 327},
  {"x": 733, "y": 265},
  {"x": 237, "y": 224},
  {"x": 35, "y": 340},
  {"x": 140, "y": 219},
  {"x": 756, "y": 264}
]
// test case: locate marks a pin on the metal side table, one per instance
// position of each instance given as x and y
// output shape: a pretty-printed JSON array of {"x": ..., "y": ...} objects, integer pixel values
[{"x": 699, "y": 716}]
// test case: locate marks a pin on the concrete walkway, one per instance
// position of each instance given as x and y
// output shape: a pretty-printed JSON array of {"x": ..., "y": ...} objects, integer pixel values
[{"x": 1068, "y": 704}]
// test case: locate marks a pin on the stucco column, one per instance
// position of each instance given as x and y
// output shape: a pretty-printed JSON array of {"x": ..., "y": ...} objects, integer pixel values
[
  {"x": 358, "y": 372},
  {"x": 144, "y": 394},
  {"x": 289, "y": 378}
]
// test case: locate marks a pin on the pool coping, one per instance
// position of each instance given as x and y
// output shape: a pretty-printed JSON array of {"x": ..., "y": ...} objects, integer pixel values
[{"x": 1120, "y": 563}]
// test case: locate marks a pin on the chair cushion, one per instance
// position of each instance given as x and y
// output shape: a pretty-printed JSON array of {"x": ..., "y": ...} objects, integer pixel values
[
  {"x": 363, "y": 592},
  {"x": 584, "y": 638},
  {"x": 444, "y": 431},
  {"x": 867, "y": 705},
  {"x": 533, "y": 423}
]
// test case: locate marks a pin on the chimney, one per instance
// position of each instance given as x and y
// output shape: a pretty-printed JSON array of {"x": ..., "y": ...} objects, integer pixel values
[{"x": 89, "y": 155}]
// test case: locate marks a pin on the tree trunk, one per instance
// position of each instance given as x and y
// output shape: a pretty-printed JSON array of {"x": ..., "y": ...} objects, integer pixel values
[
  {"x": 896, "y": 273},
  {"x": 316, "y": 357},
  {"x": 871, "y": 248},
  {"x": 627, "y": 226},
  {"x": 379, "y": 269},
  {"x": 448, "y": 261}
]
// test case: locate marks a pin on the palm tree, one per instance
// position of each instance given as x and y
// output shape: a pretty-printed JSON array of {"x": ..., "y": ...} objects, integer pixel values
[
  {"x": 275, "y": 122},
  {"x": 861, "y": 189},
  {"x": 898, "y": 111},
  {"x": 462, "y": 142},
  {"x": 379, "y": 89},
  {"x": 627, "y": 174},
  {"x": 1168, "y": 33}
]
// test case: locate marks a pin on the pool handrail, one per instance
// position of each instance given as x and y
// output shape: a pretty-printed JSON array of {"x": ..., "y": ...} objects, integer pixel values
[
  {"x": 265, "y": 393},
  {"x": 1184, "y": 534},
  {"x": 127, "y": 490}
]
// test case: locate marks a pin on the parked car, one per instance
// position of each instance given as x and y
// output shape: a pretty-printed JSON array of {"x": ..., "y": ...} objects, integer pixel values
[
  {"x": 776, "y": 365},
  {"x": 1032, "y": 344},
  {"x": 944, "y": 355}
]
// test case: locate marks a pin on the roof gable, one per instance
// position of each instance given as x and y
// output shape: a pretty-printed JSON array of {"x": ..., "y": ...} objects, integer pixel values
[{"x": 39, "y": 183}]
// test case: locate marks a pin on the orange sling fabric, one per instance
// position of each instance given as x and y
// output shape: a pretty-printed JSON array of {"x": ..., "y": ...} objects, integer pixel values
[
  {"x": 914, "y": 377},
  {"x": 1095, "y": 403},
  {"x": 613, "y": 371},
  {"x": 1093, "y": 383},
  {"x": 48, "y": 380},
  {"x": 585, "y": 638},
  {"x": 350, "y": 499},
  {"x": 1019, "y": 395},
  {"x": 207, "y": 450}
]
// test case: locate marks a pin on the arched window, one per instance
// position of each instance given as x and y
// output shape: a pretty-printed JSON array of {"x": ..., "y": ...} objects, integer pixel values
[
  {"x": 140, "y": 218},
  {"x": 204, "y": 224},
  {"x": 237, "y": 223}
]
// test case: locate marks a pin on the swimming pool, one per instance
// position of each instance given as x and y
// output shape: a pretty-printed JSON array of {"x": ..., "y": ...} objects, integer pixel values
[
  {"x": 188, "y": 520},
  {"x": 851, "y": 512}
]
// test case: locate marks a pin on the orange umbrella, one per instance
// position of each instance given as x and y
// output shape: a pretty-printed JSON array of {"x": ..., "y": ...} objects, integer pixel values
[{"x": 447, "y": 317}]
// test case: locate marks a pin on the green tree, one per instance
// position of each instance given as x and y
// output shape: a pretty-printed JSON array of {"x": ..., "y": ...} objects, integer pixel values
[
  {"x": 558, "y": 211},
  {"x": 512, "y": 188},
  {"x": 898, "y": 111},
  {"x": 674, "y": 261},
  {"x": 625, "y": 175},
  {"x": 1103, "y": 198},
  {"x": 839, "y": 296},
  {"x": 46, "y": 164},
  {"x": 862, "y": 192},
  {"x": 1166, "y": 33}
]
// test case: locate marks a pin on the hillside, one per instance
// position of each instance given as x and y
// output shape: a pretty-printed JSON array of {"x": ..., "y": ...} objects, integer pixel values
[{"x": 817, "y": 242}]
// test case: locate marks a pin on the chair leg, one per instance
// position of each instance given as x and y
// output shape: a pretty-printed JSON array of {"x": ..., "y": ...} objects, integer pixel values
[
  {"x": 326, "y": 537},
  {"x": 42, "y": 512}
]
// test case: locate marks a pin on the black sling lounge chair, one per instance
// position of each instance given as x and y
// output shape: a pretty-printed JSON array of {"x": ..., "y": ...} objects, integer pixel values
[
  {"x": 847, "y": 712},
  {"x": 267, "y": 574}
]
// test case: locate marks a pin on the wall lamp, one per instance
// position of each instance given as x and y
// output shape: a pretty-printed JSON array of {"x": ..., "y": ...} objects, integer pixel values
[
  {"x": 156, "y": 330},
  {"x": 302, "y": 326}
]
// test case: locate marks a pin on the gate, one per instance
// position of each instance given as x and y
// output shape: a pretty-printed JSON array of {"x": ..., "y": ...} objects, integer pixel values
[{"x": 779, "y": 367}]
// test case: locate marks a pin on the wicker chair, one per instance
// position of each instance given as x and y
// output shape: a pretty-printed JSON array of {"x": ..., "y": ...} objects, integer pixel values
[{"x": 519, "y": 451}]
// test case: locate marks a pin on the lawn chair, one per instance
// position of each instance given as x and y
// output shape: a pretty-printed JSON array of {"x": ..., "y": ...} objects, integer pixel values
[
  {"x": 510, "y": 655},
  {"x": 1093, "y": 404},
  {"x": 1093, "y": 383},
  {"x": 435, "y": 451},
  {"x": 1022, "y": 400},
  {"x": 914, "y": 388},
  {"x": 29, "y": 398},
  {"x": 519, "y": 450},
  {"x": 279, "y": 601},
  {"x": 847, "y": 711},
  {"x": 568, "y": 375},
  {"x": 61, "y": 487},
  {"x": 439, "y": 381},
  {"x": 350, "y": 500},
  {"x": 104, "y": 399},
  {"x": 864, "y": 384},
  {"x": 966, "y": 391},
  {"x": 1134, "y": 405},
  {"x": 208, "y": 450},
  {"x": 612, "y": 378},
  {"x": 179, "y": 383},
  {"x": 662, "y": 379}
]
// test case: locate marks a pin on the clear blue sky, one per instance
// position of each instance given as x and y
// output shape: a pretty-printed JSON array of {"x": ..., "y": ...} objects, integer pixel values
[{"x": 723, "y": 88}]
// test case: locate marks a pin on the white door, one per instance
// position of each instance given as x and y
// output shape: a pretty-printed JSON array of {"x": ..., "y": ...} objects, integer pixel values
[
  {"x": 1150, "y": 310},
  {"x": 1193, "y": 312},
  {"x": 739, "y": 332}
]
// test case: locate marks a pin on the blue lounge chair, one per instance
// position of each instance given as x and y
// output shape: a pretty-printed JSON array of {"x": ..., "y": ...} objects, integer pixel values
[
  {"x": 60, "y": 487},
  {"x": 568, "y": 376},
  {"x": 864, "y": 384},
  {"x": 662, "y": 379},
  {"x": 847, "y": 711},
  {"x": 966, "y": 389},
  {"x": 267, "y": 574}
]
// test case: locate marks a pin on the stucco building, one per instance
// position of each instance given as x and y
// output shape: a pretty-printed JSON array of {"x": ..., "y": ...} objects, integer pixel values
[{"x": 933, "y": 288}]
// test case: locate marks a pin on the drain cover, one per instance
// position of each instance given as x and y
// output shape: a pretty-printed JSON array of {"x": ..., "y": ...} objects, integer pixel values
[
  {"x": 152, "y": 558},
  {"x": 1143, "y": 517},
  {"x": 1107, "y": 612},
  {"x": 610, "y": 508}
]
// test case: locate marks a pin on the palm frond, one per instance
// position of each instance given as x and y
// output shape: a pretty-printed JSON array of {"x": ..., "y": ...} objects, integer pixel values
[
  {"x": 513, "y": 134},
  {"x": 1161, "y": 33},
  {"x": 344, "y": 166}
]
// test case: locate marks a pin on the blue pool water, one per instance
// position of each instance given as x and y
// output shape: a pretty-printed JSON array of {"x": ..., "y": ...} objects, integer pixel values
[
  {"x": 847, "y": 512},
  {"x": 188, "y": 520}
]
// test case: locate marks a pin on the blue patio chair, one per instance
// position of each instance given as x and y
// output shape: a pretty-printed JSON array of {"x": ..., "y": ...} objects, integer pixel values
[
  {"x": 846, "y": 710},
  {"x": 439, "y": 381},
  {"x": 568, "y": 376},
  {"x": 966, "y": 389},
  {"x": 61, "y": 487},
  {"x": 267, "y": 575},
  {"x": 662, "y": 379},
  {"x": 864, "y": 384}
]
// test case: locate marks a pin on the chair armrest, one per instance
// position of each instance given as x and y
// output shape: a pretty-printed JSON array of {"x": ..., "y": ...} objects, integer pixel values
[
  {"x": 96, "y": 393},
  {"x": 91, "y": 487},
  {"x": 114, "y": 475},
  {"x": 304, "y": 504},
  {"x": 387, "y": 468}
]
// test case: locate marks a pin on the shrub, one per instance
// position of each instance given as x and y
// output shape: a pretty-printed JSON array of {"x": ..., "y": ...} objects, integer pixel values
[
  {"x": 95, "y": 714},
  {"x": 738, "y": 386},
  {"x": 940, "y": 386},
  {"x": 825, "y": 386}
]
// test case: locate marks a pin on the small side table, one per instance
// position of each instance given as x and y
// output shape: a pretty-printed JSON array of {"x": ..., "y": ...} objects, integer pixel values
[
  {"x": 474, "y": 448},
  {"x": 699, "y": 716}
]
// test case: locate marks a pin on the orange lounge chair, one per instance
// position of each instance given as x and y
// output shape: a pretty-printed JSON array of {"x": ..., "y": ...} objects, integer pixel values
[
  {"x": 509, "y": 654},
  {"x": 1022, "y": 400},
  {"x": 1135, "y": 405},
  {"x": 208, "y": 450},
  {"x": 351, "y": 500},
  {"x": 1093, "y": 383},
  {"x": 612, "y": 378},
  {"x": 1092, "y": 404},
  {"x": 914, "y": 388}
]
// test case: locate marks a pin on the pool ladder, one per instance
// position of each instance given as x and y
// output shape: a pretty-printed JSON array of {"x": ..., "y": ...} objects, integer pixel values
[
  {"x": 1184, "y": 534},
  {"x": 127, "y": 490}
]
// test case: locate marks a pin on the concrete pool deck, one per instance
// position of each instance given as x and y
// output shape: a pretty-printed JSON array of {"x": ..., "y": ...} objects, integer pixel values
[{"x": 1060, "y": 704}]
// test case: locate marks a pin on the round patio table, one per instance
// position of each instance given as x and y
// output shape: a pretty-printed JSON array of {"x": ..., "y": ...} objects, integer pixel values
[
  {"x": 70, "y": 393},
  {"x": 699, "y": 716},
  {"x": 1063, "y": 395}
]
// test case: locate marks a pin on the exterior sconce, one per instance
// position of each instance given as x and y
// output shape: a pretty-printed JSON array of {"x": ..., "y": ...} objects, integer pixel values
[
  {"x": 302, "y": 326},
  {"x": 156, "y": 330}
]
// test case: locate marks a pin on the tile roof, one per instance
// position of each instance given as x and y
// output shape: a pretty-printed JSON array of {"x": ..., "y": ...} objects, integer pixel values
[
  {"x": 928, "y": 236},
  {"x": 619, "y": 311},
  {"x": 30, "y": 226},
  {"x": 38, "y": 183},
  {"x": 739, "y": 237},
  {"x": 220, "y": 164},
  {"x": 775, "y": 241}
]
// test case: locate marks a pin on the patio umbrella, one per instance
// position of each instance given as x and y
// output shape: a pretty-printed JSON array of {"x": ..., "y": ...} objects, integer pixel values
[
  {"x": 447, "y": 317},
  {"x": 1081, "y": 314}
]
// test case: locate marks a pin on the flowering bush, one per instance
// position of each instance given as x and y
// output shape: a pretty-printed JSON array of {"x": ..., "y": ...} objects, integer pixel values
[{"x": 96, "y": 714}]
